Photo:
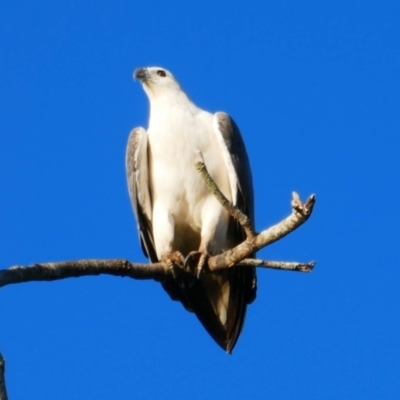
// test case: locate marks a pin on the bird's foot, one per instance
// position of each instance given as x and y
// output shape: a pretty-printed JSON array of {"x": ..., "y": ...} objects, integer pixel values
[
  {"x": 195, "y": 261},
  {"x": 176, "y": 263}
]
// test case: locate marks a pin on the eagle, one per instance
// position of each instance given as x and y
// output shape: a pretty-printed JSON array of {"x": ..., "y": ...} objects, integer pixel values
[{"x": 176, "y": 214}]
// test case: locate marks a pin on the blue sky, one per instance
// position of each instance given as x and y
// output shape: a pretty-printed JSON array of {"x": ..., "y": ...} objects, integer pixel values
[{"x": 315, "y": 90}]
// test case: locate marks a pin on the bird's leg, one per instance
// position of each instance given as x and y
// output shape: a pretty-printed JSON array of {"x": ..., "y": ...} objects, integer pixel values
[
  {"x": 176, "y": 263},
  {"x": 210, "y": 232},
  {"x": 195, "y": 261}
]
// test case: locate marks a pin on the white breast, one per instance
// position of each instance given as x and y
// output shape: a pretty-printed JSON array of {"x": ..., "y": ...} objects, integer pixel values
[{"x": 177, "y": 134}]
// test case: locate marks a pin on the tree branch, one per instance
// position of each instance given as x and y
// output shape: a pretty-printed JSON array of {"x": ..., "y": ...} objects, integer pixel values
[
  {"x": 3, "y": 391},
  {"x": 163, "y": 271},
  {"x": 300, "y": 214},
  {"x": 242, "y": 218},
  {"x": 123, "y": 268},
  {"x": 282, "y": 265},
  {"x": 74, "y": 269}
]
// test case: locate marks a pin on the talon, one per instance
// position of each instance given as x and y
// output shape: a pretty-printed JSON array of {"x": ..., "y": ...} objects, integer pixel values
[
  {"x": 174, "y": 261},
  {"x": 200, "y": 265},
  {"x": 175, "y": 271},
  {"x": 190, "y": 260},
  {"x": 195, "y": 262}
]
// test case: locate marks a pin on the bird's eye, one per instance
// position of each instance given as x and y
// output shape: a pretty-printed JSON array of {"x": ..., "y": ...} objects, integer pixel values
[{"x": 162, "y": 73}]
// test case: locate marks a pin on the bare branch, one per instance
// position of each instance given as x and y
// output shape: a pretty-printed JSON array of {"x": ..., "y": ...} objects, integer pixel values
[
  {"x": 162, "y": 271},
  {"x": 74, "y": 269},
  {"x": 300, "y": 214},
  {"x": 234, "y": 211},
  {"x": 3, "y": 390},
  {"x": 254, "y": 242},
  {"x": 287, "y": 266},
  {"x": 123, "y": 268}
]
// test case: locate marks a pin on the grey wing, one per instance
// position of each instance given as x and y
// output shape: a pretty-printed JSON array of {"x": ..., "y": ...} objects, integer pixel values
[
  {"x": 237, "y": 155},
  {"x": 137, "y": 171},
  {"x": 243, "y": 280}
]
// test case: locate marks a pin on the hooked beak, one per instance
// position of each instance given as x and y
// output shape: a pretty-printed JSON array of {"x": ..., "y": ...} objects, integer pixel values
[{"x": 141, "y": 74}]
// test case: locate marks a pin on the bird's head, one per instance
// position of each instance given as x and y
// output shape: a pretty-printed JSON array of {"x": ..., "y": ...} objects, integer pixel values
[{"x": 156, "y": 80}]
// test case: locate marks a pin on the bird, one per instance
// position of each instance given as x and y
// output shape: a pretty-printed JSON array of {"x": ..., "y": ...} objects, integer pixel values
[{"x": 178, "y": 218}]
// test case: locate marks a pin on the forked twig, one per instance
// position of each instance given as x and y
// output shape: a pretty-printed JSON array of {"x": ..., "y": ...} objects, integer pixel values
[{"x": 254, "y": 242}]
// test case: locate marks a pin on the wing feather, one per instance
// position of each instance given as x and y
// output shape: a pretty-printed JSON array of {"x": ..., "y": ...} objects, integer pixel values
[
  {"x": 243, "y": 281},
  {"x": 137, "y": 171}
]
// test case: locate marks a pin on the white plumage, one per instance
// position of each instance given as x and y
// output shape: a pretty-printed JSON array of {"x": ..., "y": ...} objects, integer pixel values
[{"x": 175, "y": 210}]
